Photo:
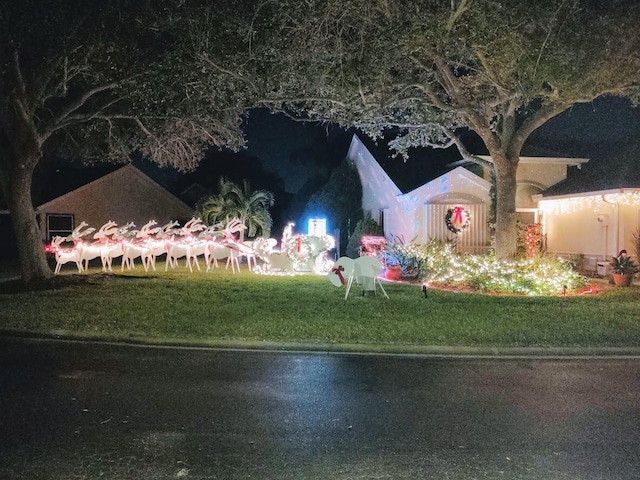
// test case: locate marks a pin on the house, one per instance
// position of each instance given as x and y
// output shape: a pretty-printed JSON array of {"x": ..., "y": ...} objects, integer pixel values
[
  {"x": 430, "y": 210},
  {"x": 595, "y": 224},
  {"x": 124, "y": 195}
]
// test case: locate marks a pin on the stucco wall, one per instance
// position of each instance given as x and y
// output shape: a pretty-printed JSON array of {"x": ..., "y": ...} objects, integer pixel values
[{"x": 582, "y": 232}]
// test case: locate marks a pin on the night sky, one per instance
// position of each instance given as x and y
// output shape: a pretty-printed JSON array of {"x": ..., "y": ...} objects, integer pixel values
[{"x": 293, "y": 158}]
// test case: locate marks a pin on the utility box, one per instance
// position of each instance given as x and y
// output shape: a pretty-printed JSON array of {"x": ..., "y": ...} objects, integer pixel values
[{"x": 603, "y": 269}]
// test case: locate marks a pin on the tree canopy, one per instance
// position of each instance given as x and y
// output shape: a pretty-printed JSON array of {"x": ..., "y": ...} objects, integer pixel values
[
  {"x": 99, "y": 80},
  {"x": 431, "y": 69}
]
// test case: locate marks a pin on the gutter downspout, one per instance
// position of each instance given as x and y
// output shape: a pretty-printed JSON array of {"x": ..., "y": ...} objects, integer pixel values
[{"x": 616, "y": 232}]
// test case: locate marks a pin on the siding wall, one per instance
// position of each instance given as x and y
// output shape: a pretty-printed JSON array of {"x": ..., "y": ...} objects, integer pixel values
[{"x": 474, "y": 239}]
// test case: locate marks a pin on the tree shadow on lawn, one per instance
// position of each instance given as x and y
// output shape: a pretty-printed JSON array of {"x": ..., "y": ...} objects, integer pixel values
[{"x": 17, "y": 285}]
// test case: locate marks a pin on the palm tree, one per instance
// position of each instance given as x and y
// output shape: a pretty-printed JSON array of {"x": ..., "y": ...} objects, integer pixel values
[{"x": 233, "y": 200}]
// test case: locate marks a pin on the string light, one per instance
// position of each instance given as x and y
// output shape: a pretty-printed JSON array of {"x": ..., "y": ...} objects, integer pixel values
[
  {"x": 439, "y": 264},
  {"x": 561, "y": 206}
]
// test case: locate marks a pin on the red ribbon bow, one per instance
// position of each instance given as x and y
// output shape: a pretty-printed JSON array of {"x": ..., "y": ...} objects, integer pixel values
[
  {"x": 457, "y": 216},
  {"x": 338, "y": 271}
]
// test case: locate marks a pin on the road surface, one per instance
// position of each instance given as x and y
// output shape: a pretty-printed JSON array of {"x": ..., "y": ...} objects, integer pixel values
[{"x": 71, "y": 410}]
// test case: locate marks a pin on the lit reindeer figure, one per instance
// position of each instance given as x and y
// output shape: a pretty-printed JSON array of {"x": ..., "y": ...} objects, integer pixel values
[
  {"x": 143, "y": 245},
  {"x": 103, "y": 247},
  {"x": 187, "y": 245},
  {"x": 78, "y": 232},
  {"x": 63, "y": 255},
  {"x": 229, "y": 247},
  {"x": 139, "y": 243},
  {"x": 157, "y": 241}
]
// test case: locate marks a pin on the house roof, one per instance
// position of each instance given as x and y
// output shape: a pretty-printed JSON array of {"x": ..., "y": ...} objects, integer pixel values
[
  {"x": 609, "y": 169},
  {"x": 572, "y": 162},
  {"x": 442, "y": 183},
  {"x": 127, "y": 170},
  {"x": 422, "y": 166},
  {"x": 599, "y": 193}
]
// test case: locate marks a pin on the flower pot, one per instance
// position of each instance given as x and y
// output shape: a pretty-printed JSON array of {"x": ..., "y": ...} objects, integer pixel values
[
  {"x": 393, "y": 272},
  {"x": 622, "y": 279}
]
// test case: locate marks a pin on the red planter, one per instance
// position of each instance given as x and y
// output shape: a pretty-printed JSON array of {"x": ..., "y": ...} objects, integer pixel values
[{"x": 393, "y": 272}]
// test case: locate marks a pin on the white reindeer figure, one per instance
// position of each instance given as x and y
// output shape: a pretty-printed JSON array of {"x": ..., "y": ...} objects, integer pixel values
[
  {"x": 107, "y": 230},
  {"x": 148, "y": 230},
  {"x": 188, "y": 246},
  {"x": 132, "y": 251},
  {"x": 77, "y": 233},
  {"x": 230, "y": 248},
  {"x": 104, "y": 246},
  {"x": 64, "y": 255},
  {"x": 144, "y": 246}
]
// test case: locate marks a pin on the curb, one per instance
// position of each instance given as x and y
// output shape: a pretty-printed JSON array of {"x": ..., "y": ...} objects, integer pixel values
[{"x": 436, "y": 351}]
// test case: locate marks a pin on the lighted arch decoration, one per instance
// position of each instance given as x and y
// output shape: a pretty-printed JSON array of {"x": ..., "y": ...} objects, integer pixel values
[{"x": 457, "y": 219}]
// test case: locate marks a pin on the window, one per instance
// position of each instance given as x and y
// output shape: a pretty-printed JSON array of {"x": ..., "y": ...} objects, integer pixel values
[{"x": 59, "y": 224}]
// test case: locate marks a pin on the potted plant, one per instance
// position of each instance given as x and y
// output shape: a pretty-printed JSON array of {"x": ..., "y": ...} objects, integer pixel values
[
  {"x": 623, "y": 268},
  {"x": 392, "y": 267}
]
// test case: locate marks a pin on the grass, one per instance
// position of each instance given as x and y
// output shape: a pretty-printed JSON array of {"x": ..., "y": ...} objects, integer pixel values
[{"x": 217, "y": 305}]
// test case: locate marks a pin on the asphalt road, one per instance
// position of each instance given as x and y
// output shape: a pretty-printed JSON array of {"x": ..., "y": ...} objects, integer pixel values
[{"x": 92, "y": 411}]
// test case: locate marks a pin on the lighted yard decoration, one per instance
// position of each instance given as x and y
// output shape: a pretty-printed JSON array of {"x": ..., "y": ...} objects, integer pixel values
[
  {"x": 228, "y": 247},
  {"x": 190, "y": 241},
  {"x": 186, "y": 244},
  {"x": 63, "y": 254},
  {"x": 302, "y": 253},
  {"x": 274, "y": 260},
  {"x": 364, "y": 270},
  {"x": 457, "y": 219},
  {"x": 307, "y": 251},
  {"x": 298, "y": 253}
]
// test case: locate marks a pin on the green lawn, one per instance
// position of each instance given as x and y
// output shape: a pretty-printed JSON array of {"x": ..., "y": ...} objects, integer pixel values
[{"x": 218, "y": 305}]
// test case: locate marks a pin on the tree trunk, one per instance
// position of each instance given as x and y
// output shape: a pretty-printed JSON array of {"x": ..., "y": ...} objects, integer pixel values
[
  {"x": 17, "y": 190},
  {"x": 506, "y": 228}
]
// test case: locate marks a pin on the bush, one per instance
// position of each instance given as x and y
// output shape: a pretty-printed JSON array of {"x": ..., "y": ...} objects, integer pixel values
[
  {"x": 366, "y": 226},
  {"x": 436, "y": 262}
]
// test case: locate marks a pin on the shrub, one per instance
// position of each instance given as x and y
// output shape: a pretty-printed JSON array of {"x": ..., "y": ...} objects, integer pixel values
[
  {"x": 436, "y": 262},
  {"x": 366, "y": 226}
]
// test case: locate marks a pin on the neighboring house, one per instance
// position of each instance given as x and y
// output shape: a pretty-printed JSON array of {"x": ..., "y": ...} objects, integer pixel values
[
  {"x": 125, "y": 195},
  {"x": 420, "y": 214}
]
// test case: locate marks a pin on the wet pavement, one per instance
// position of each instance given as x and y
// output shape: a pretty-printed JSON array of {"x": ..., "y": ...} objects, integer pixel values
[{"x": 89, "y": 410}]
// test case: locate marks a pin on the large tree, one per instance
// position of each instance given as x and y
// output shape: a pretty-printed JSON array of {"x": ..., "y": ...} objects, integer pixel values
[
  {"x": 98, "y": 80},
  {"x": 431, "y": 69}
]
